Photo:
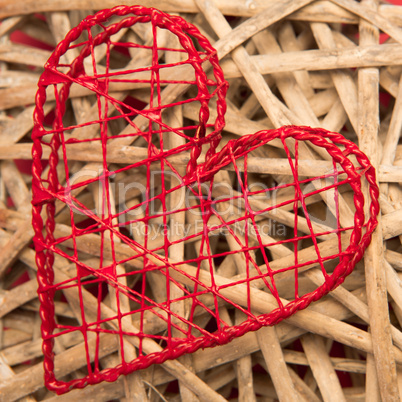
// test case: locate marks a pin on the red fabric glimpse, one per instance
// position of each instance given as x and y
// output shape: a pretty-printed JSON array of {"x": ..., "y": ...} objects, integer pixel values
[{"x": 225, "y": 227}]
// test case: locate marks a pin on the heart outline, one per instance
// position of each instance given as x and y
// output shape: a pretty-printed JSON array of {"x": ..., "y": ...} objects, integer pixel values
[{"x": 195, "y": 172}]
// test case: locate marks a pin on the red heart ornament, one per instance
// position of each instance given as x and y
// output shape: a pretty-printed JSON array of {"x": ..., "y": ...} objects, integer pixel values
[{"x": 154, "y": 253}]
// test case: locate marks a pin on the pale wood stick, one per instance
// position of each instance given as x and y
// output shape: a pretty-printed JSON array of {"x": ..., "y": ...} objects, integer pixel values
[
  {"x": 11, "y": 78},
  {"x": 132, "y": 154},
  {"x": 375, "y": 276},
  {"x": 25, "y": 95},
  {"x": 60, "y": 26},
  {"x": 394, "y": 131},
  {"x": 352, "y": 302},
  {"x": 219, "y": 377},
  {"x": 311, "y": 382},
  {"x": 13, "y": 131},
  {"x": 8, "y": 24},
  {"x": 16, "y": 187},
  {"x": 5, "y": 370},
  {"x": 397, "y": 311},
  {"x": 324, "y": 11},
  {"x": 13, "y": 337},
  {"x": 321, "y": 60},
  {"x": 321, "y": 366},
  {"x": 244, "y": 371},
  {"x": 17, "y": 242},
  {"x": 343, "y": 82},
  {"x": 399, "y": 375},
  {"x": 17, "y": 296},
  {"x": 388, "y": 82},
  {"x": 356, "y": 393},
  {"x": 255, "y": 24},
  {"x": 385, "y": 204},
  {"x": 236, "y": 349},
  {"x": 274, "y": 359},
  {"x": 339, "y": 363},
  {"x": 250, "y": 106},
  {"x": 394, "y": 258},
  {"x": 358, "y": 381},
  {"x": 109, "y": 391},
  {"x": 17, "y": 96},
  {"x": 372, "y": 386},
  {"x": 391, "y": 224},
  {"x": 23, "y": 55},
  {"x": 391, "y": 13},
  {"x": 289, "y": 43},
  {"x": 390, "y": 174},
  {"x": 21, "y": 321},
  {"x": 335, "y": 118},
  {"x": 398, "y": 156},
  {"x": 7, "y": 373},
  {"x": 286, "y": 82},
  {"x": 305, "y": 392},
  {"x": 395, "y": 195},
  {"x": 322, "y": 102},
  {"x": 394, "y": 283},
  {"x": 24, "y": 351}
]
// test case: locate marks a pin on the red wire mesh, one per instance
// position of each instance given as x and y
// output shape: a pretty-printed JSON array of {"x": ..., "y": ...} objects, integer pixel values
[{"x": 227, "y": 223}]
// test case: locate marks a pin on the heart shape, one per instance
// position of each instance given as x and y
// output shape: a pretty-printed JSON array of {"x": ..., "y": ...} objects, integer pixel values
[{"x": 223, "y": 249}]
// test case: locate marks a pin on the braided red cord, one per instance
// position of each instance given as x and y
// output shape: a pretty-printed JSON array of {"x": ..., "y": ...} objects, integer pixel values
[{"x": 196, "y": 276}]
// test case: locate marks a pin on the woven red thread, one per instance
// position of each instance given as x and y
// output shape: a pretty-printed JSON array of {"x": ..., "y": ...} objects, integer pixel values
[{"x": 104, "y": 231}]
